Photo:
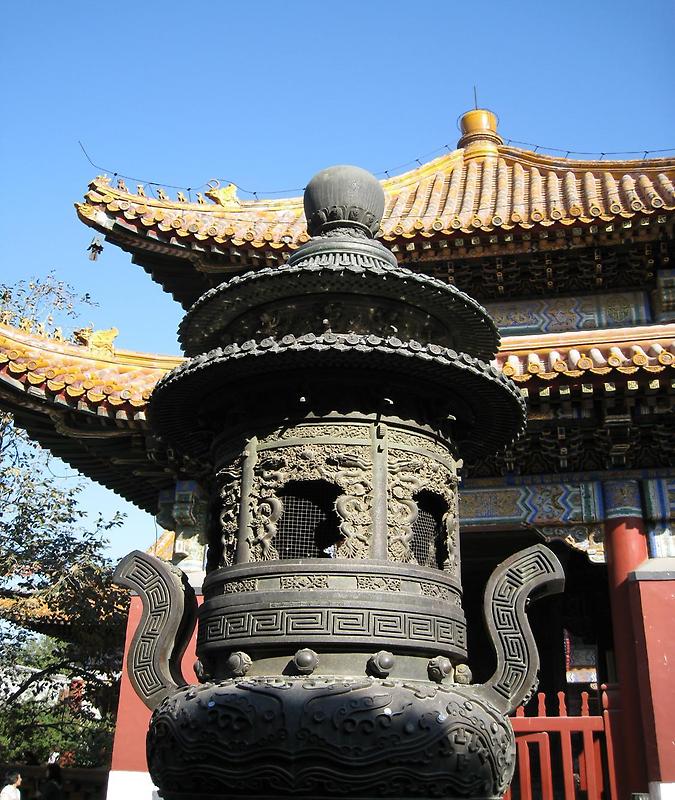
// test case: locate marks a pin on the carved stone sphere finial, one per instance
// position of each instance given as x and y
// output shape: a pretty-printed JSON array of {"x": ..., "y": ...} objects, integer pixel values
[{"x": 344, "y": 197}]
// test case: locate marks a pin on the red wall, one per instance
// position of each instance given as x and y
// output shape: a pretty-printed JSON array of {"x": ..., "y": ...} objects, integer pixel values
[
  {"x": 653, "y": 610},
  {"x": 132, "y": 716}
]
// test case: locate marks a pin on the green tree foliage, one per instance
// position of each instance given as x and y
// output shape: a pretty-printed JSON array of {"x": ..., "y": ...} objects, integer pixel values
[
  {"x": 32, "y": 730},
  {"x": 54, "y": 578},
  {"x": 44, "y": 305}
]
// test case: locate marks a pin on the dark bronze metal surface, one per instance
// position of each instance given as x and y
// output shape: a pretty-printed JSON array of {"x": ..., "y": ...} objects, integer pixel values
[
  {"x": 166, "y": 625},
  {"x": 327, "y": 421}
]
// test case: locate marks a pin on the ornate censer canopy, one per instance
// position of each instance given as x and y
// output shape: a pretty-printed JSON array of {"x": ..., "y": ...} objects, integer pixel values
[
  {"x": 342, "y": 281},
  {"x": 341, "y": 310},
  {"x": 327, "y": 418}
]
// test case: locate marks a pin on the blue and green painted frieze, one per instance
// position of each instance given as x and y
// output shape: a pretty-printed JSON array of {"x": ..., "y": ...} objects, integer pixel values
[
  {"x": 573, "y": 510},
  {"x": 560, "y": 314}
]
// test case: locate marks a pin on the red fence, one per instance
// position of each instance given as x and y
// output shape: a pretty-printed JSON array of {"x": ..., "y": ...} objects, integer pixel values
[{"x": 564, "y": 757}]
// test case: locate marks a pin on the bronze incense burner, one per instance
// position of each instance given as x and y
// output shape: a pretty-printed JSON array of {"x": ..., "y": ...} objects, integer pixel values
[{"x": 328, "y": 403}]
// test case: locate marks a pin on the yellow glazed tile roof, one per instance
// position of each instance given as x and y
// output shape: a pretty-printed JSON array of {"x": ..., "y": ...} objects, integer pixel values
[
  {"x": 49, "y": 616},
  {"x": 120, "y": 384},
  {"x": 484, "y": 185},
  {"x": 583, "y": 354},
  {"x": 163, "y": 547},
  {"x": 121, "y": 380}
]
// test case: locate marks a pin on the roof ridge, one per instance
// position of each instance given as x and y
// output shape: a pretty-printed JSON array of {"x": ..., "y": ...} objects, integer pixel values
[
  {"x": 539, "y": 159},
  {"x": 119, "y": 357},
  {"x": 606, "y": 336}
]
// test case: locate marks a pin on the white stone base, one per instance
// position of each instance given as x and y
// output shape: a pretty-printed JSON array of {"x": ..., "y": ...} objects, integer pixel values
[
  {"x": 139, "y": 786},
  {"x": 131, "y": 786},
  {"x": 661, "y": 791}
]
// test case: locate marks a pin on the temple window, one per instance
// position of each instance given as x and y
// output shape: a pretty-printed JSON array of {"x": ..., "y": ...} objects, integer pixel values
[
  {"x": 308, "y": 527},
  {"x": 428, "y": 541}
]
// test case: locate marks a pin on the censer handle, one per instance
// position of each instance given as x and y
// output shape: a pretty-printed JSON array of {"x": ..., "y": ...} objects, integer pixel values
[
  {"x": 529, "y": 574},
  {"x": 166, "y": 625}
]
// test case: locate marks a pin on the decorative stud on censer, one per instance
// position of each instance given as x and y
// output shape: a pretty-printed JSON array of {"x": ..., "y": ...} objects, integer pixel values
[{"x": 329, "y": 400}]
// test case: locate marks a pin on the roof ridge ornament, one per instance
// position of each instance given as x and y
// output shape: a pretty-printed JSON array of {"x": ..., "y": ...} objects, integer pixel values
[
  {"x": 98, "y": 342},
  {"x": 225, "y": 196},
  {"x": 479, "y": 134},
  {"x": 344, "y": 197}
]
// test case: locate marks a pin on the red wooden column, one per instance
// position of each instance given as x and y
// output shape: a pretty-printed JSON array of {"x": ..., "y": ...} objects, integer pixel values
[{"x": 626, "y": 549}]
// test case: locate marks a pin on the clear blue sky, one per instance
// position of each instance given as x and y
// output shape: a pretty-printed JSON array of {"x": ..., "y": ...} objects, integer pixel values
[{"x": 266, "y": 93}]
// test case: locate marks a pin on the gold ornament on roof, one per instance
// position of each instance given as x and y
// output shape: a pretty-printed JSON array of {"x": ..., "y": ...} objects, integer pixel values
[
  {"x": 225, "y": 195},
  {"x": 98, "y": 342}
]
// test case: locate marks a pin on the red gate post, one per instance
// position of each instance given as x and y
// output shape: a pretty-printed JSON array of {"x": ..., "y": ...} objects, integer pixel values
[
  {"x": 607, "y": 694},
  {"x": 652, "y": 590},
  {"x": 566, "y": 751},
  {"x": 626, "y": 549},
  {"x": 543, "y": 744}
]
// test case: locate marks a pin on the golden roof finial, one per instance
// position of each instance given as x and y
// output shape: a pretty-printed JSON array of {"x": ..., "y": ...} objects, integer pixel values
[{"x": 479, "y": 134}]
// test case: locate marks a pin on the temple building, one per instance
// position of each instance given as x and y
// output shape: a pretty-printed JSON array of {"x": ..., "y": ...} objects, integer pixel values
[{"x": 572, "y": 261}]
